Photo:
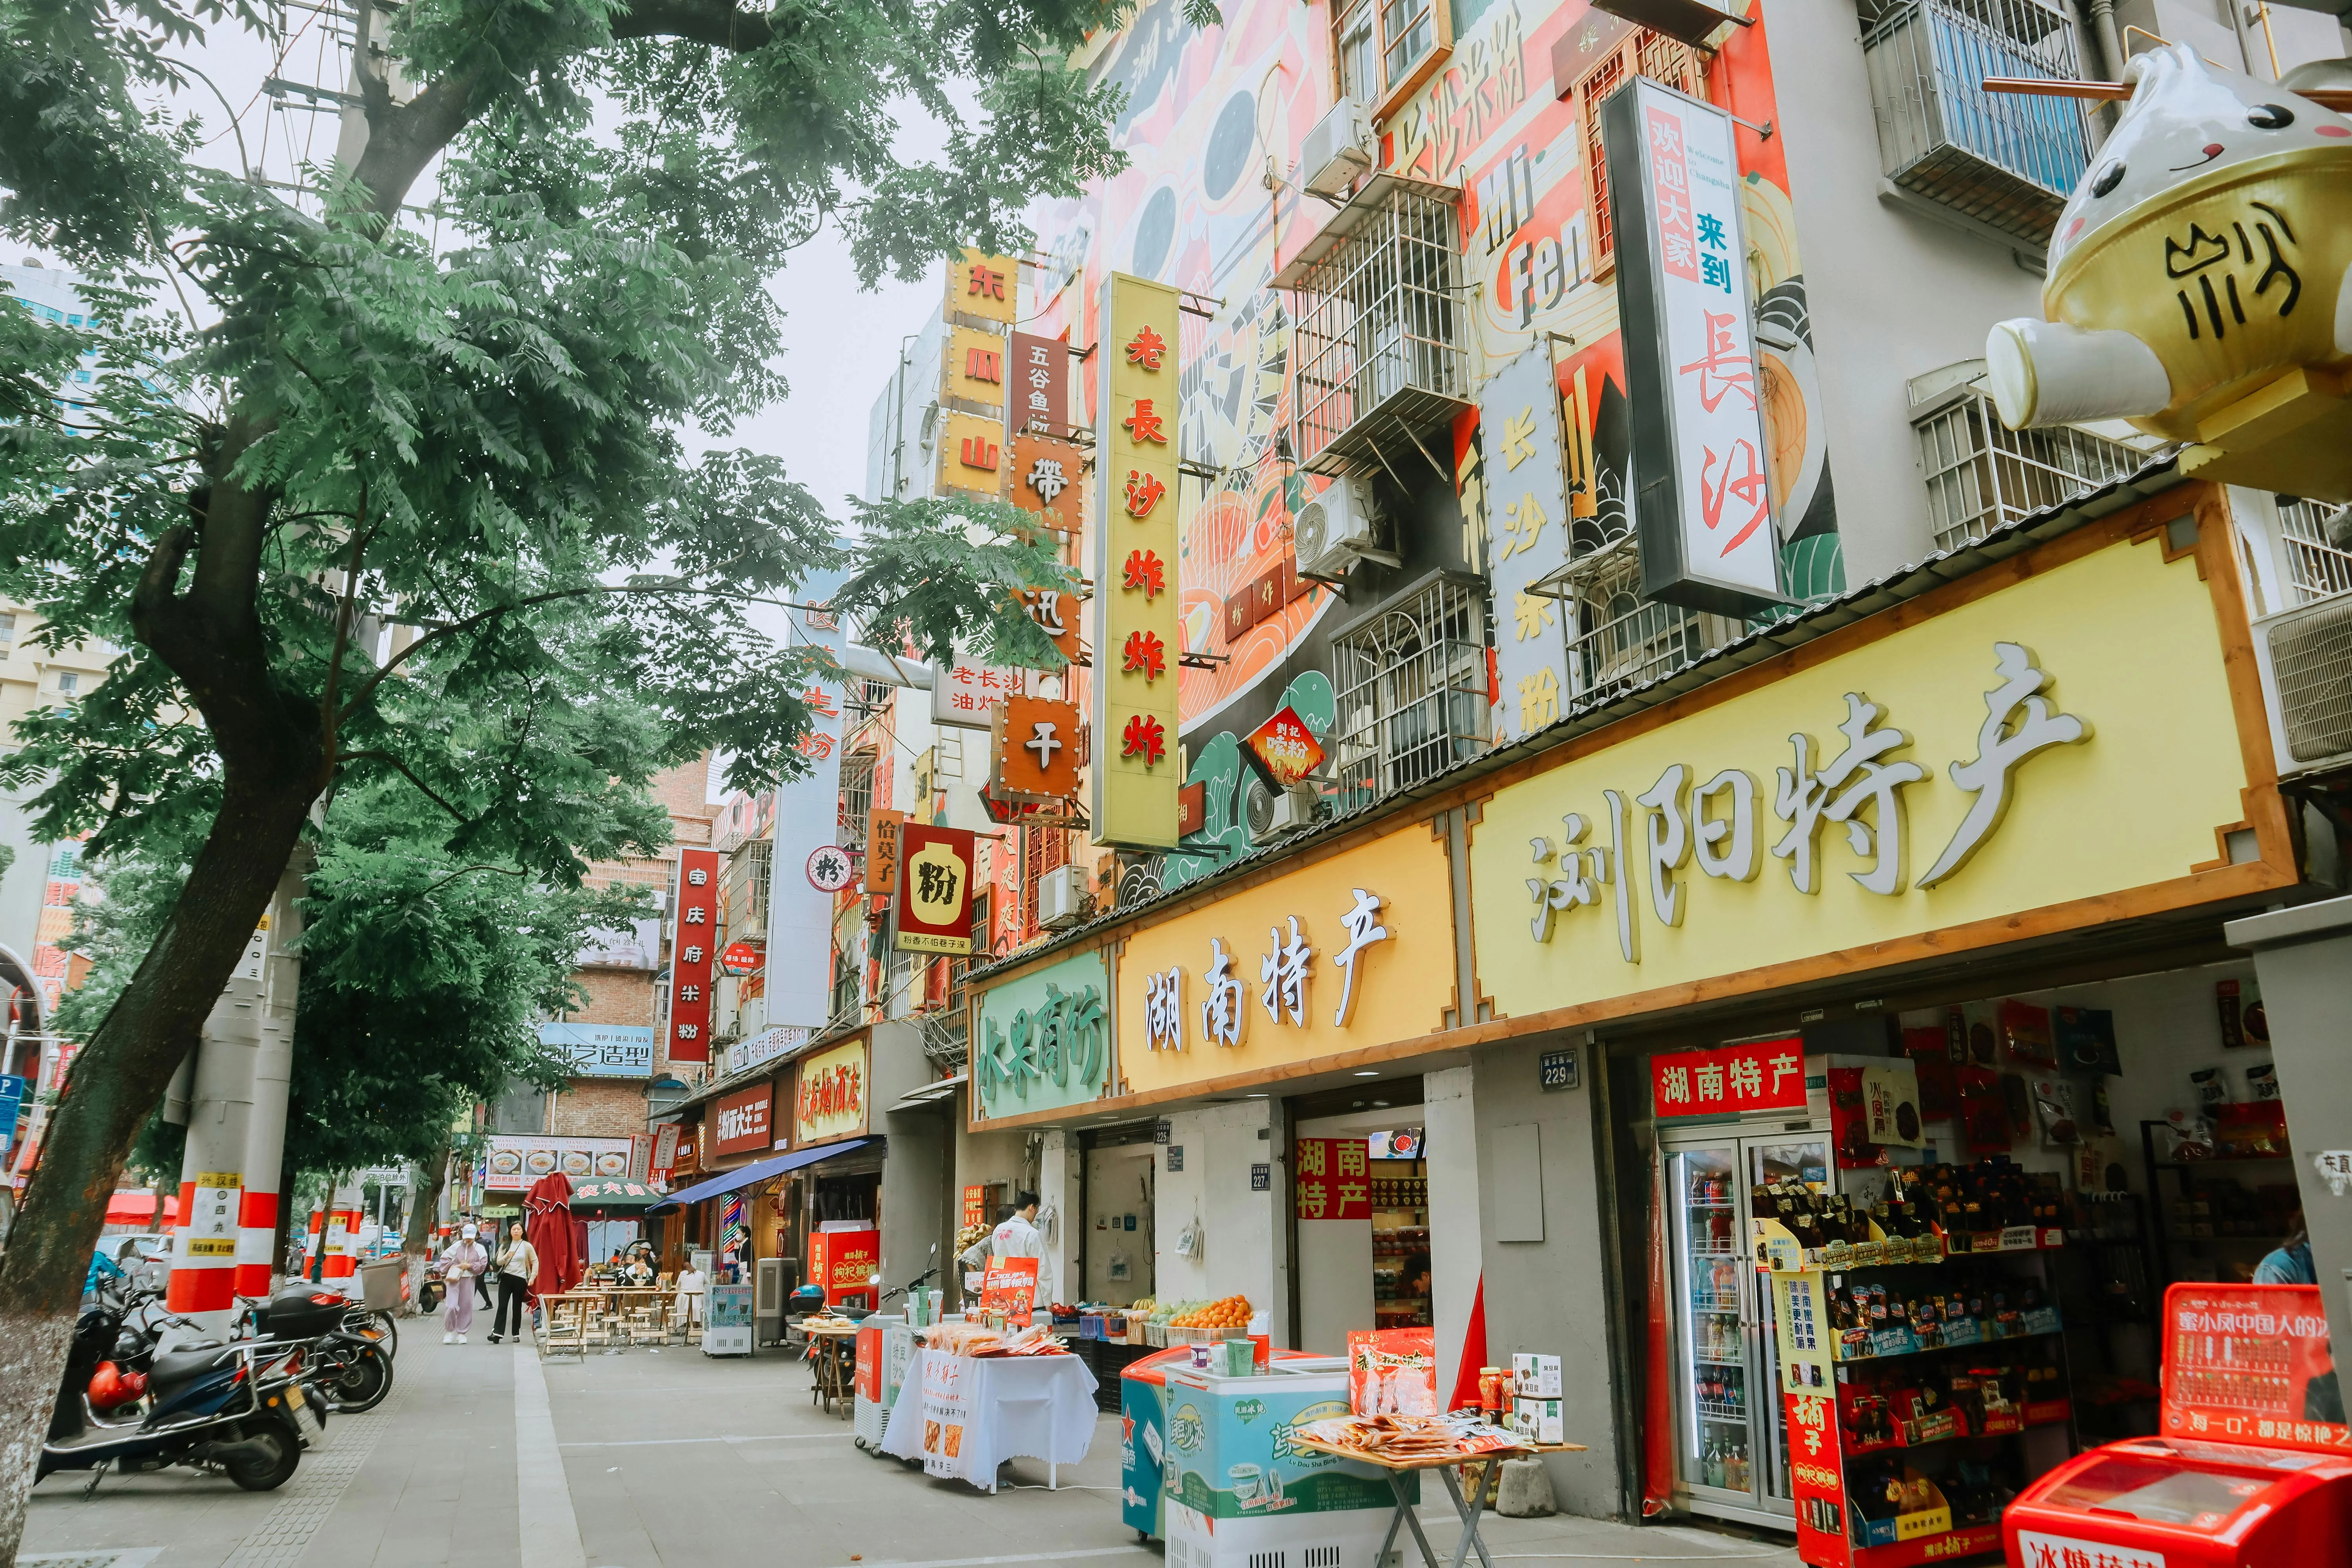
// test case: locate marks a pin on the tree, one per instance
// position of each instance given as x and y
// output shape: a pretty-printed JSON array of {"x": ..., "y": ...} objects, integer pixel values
[{"x": 479, "y": 441}]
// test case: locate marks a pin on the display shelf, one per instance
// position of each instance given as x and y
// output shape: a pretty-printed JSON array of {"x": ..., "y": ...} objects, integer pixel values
[
  {"x": 1959, "y": 1334},
  {"x": 2049, "y": 1412}
]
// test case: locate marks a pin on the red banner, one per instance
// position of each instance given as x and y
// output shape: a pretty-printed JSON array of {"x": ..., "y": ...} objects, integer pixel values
[
  {"x": 693, "y": 955},
  {"x": 1009, "y": 1285},
  {"x": 2239, "y": 1363},
  {"x": 1762, "y": 1075},
  {"x": 744, "y": 1122},
  {"x": 1333, "y": 1180}
]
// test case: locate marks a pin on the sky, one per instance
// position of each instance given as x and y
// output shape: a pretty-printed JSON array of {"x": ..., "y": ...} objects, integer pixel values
[{"x": 841, "y": 342}]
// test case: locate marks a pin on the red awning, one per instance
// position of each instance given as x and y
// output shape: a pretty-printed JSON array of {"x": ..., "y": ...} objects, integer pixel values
[{"x": 139, "y": 1208}]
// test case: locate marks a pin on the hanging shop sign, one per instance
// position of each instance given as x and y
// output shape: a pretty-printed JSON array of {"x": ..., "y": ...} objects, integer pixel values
[
  {"x": 882, "y": 830},
  {"x": 1972, "y": 774},
  {"x": 1704, "y": 514},
  {"x": 1042, "y": 1041},
  {"x": 965, "y": 693},
  {"x": 740, "y": 957},
  {"x": 829, "y": 1096},
  {"x": 601, "y": 1050},
  {"x": 665, "y": 1153},
  {"x": 694, "y": 955},
  {"x": 766, "y": 1046},
  {"x": 800, "y": 914},
  {"x": 1045, "y": 475},
  {"x": 1334, "y": 1182},
  {"x": 744, "y": 1122},
  {"x": 516, "y": 1161},
  {"x": 937, "y": 869},
  {"x": 1056, "y": 614},
  {"x": 1037, "y": 390},
  {"x": 1726, "y": 1080},
  {"x": 975, "y": 367},
  {"x": 830, "y": 869},
  {"x": 971, "y": 455},
  {"x": 1344, "y": 953},
  {"x": 1526, "y": 493},
  {"x": 1138, "y": 636},
  {"x": 1285, "y": 749},
  {"x": 1037, "y": 749},
  {"x": 984, "y": 287}
]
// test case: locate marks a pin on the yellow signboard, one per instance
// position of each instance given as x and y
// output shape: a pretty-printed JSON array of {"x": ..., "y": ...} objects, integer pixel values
[
  {"x": 1352, "y": 951},
  {"x": 2059, "y": 752},
  {"x": 985, "y": 286},
  {"x": 829, "y": 1093},
  {"x": 971, "y": 454},
  {"x": 976, "y": 367},
  {"x": 1138, "y": 640}
]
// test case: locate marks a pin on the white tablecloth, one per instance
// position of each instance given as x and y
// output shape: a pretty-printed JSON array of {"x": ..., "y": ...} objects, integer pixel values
[{"x": 990, "y": 1410}]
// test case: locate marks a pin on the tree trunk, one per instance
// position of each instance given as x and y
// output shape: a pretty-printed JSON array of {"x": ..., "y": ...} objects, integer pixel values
[
  {"x": 425, "y": 1202},
  {"x": 113, "y": 1088}
]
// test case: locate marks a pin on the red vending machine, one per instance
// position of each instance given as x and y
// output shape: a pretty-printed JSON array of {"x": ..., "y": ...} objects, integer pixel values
[{"x": 2254, "y": 1467}]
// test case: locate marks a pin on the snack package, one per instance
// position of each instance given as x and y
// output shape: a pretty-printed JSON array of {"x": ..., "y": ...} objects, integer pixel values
[
  {"x": 2211, "y": 1086},
  {"x": 2025, "y": 1032},
  {"x": 2192, "y": 1134},
  {"x": 2086, "y": 1040},
  {"x": 1929, "y": 1051},
  {"x": 2018, "y": 1101},
  {"x": 1982, "y": 1020},
  {"x": 2054, "y": 1107},
  {"x": 2226, "y": 1002},
  {"x": 1392, "y": 1372},
  {"x": 2261, "y": 1081},
  {"x": 1984, "y": 1124}
]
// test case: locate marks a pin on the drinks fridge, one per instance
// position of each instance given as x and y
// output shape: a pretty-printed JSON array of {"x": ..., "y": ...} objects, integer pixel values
[{"x": 1730, "y": 1442}]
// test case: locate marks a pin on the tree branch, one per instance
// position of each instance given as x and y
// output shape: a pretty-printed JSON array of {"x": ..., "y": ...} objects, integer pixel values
[
  {"x": 402, "y": 769},
  {"x": 714, "y": 22}
]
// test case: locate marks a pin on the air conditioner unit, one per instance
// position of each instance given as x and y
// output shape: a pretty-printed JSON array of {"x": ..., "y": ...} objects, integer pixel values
[
  {"x": 1295, "y": 807},
  {"x": 768, "y": 1290},
  {"x": 1334, "y": 530},
  {"x": 1338, "y": 149},
  {"x": 1058, "y": 893},
  {"x": 2306, "y": 663}
]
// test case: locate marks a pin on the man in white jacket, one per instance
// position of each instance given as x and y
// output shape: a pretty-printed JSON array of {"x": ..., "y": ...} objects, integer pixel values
[{"x": 1016, "y": 1236}]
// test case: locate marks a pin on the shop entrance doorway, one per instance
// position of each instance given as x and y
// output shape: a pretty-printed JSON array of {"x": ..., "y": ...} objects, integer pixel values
[
  {"x": 1359, "y": 1213},
  {"x": 1118, "y": 1221}
]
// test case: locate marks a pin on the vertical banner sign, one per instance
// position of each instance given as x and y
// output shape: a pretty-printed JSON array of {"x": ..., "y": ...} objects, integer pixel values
[
  {"x": 1037, "y": 390},
  {"x": 984, "y": 288},
  {"x": 935, "y": 880},
  {"x": 693, "y": 955},
  {"x": 1138, "y": 640},
  {"x": 1703, "y": 503},
  {"x": 799, "y": 981},
  {"x": 1526, "y": 530},
  {"x": 882, "y": 830}
]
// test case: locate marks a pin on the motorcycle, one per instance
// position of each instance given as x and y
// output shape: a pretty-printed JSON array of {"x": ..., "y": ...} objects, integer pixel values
[
  {"x": 341, "y": 1356},
  {"x": 239, "y": 1409}
]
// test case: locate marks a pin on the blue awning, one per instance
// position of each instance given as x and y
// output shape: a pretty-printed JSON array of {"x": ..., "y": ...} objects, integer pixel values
[{"x": 742, "y": 1176}]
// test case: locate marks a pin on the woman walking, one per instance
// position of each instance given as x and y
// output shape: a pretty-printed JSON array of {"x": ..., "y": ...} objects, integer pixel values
[
  {"x": 518, "y": 1271},
  {"x": 460, "y": 1266}
]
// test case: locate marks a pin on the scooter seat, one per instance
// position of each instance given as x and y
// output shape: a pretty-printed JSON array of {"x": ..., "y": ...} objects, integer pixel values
[{"x": 175, "y": 1368}]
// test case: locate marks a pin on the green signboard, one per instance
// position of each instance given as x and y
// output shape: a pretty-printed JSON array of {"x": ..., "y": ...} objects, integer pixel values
[{"x": 1042, "y": 1041}]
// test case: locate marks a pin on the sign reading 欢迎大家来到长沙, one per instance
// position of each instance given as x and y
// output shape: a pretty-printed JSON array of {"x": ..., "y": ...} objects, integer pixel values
[{"x": 1041, "y": 1040}]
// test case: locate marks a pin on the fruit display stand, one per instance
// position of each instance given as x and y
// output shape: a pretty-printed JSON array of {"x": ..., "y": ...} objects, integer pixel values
[{"x": 1923, "y": 1381}]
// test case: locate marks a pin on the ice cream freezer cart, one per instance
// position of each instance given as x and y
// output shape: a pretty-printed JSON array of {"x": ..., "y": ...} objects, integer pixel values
[
  {"x": 1144, "y": 1461},
  {"x": 2252, "y": 1466},
  {"x": 1238, "y": 1492},
  {"x": 885, "y": 1348}
]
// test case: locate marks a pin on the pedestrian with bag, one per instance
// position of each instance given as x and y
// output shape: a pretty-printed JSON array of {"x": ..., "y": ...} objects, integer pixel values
[
  {"x": 518, "y": 1271},
  {"x": 464, "y": 1264}
]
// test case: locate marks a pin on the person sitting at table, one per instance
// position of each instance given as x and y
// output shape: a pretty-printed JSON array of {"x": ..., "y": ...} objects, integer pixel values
[{"x": 689, "y": 1305}]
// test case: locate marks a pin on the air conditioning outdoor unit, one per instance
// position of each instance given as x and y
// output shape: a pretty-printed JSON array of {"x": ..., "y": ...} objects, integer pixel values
[
  {"x": 1338, "y": 149},
  {"x": 2306, "y": 663},
  {"x": 1335, "y": 530},
  {"x": 1058, "y": 893},
  {"x": 1293, "y": 808}
]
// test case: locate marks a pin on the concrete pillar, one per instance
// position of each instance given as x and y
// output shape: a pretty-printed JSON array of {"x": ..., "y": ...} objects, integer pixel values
[
  {"x": 1449, "y": 1109},
  {"x": 273, "y": 1067},
  {"x": 2303, "y": 957},
  {"x": 212, "y": 1171},
  {"x": 1062, "y": 1213}
]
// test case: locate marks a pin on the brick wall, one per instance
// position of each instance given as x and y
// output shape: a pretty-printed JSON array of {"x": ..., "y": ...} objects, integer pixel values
[
  {"x": 600, "y": 1108},
  {"x": 616, "y": 996}
]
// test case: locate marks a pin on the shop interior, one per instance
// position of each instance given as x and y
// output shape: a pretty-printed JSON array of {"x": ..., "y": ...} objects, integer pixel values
[
  {"x": 2137, "y": 1119},
  {"x": 1117, "y": 1242},
  {"x": 1362, "y": 1261}
]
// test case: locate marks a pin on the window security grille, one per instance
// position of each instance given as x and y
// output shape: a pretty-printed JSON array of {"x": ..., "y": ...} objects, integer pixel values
[
  {"x": 1413, "y": 691},
  {"x": 856, "y": 798},
  {"x": 1981, "y": 474},
  {"x": 2315, "y": 569}
]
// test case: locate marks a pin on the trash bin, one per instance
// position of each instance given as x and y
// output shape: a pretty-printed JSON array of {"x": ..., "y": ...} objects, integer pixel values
[{"x": 380, "y": 1284}]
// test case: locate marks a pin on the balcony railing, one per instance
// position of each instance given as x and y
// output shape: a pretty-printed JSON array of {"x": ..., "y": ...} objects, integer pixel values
[
  {"x": 1982, "y": 474},
  {"x": 1619, "y": 640},
  {"x": 1413, "y": 691},
  {"x": 2315, "y": 569},
  {"x": 2007, "y": 160},
  {"x": 1378, "y": 344}
]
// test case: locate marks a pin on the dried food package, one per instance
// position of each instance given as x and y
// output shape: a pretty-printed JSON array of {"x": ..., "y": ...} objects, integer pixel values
[{"x": 2025, "y": 1033}]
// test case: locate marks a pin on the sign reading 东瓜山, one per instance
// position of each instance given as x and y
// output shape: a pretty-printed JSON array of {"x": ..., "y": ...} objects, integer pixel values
[{"x": 1041, "y": 1040}]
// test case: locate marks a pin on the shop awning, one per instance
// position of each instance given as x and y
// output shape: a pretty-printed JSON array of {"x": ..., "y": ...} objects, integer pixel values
[
  {"x": 742, "y": 1176},
  {"x": 931, "y": 1093},
  {"x": 612, "y": 1193},
  {"x": 137, "y": 1207}
]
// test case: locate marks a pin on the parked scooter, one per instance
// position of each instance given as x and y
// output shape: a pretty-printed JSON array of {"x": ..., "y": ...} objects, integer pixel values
[
  {"x": 237, "y": 1410},
  {"x": 350, "y": 1365}
]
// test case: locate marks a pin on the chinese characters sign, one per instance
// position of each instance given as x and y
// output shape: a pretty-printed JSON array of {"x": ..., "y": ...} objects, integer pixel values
[
  {"x": 1037, "y": 385},
  {"x": 1042, "y": 1041},
  {"x": 1525, "y": 494},
  {"x": 1045, "y": 481},
  {"x": 935, "y": 875},
  {"x": 694, "y": 955},
  {"x": 1333, "y": 1180},
  {"x": 986, "y": 288},
  {"x": 741, "y": 1122},
  {"x": 829, "y": 1098},
  {"x": 603, "y": 1051},
  {"x": 1704, "y": 513},
  {"x": 2238, "y": 1361},
  {"x": 1138, "y": 635},
  {"x": 1725, "y": 1080},
  {"x": 975, "y": 367},
  {"x": 883, "y": 829},
  {"x": 1285, "y": 748},
  {"x": 1038, "y": 748},
  {"x": 964, "y": 694}
]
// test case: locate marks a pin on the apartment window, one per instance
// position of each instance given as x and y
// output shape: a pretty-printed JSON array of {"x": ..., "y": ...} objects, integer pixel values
[
  {"x": 1981, "y": 474},
  {"x": 1642, "y": 53},
  {"x": 856, "y": 797},
  {"x": 1412, "y": 690},
  {"x": 1386, "y": 48},
  {"x": 68, "y": 683},
  {"x": 2315, "y": 568},
  {"x": 7, "y": 631}
]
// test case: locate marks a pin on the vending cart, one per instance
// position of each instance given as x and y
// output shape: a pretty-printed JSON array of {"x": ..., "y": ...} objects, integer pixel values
[
  {"x": 885, "y": 1348},
  {"x": 2253, "y": 1464}
]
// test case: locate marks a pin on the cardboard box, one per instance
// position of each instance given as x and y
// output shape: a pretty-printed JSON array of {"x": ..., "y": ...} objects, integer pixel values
[
  {"x": 1534, "y": 1376},
  {"x": 1537, "y": 1420}
]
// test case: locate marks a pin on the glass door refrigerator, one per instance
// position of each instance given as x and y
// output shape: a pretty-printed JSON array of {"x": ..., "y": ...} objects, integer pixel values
[{"x": 1731, "y": 1442}]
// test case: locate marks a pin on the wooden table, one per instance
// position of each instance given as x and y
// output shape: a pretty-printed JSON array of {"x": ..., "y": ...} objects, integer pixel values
[
  {"x": 831, "y": 1355},
  {"x": 1469, "y": 1507}
]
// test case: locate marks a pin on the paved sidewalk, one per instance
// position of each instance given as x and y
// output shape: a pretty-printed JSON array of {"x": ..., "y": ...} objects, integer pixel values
[{"x": 663, "y": 1459}]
